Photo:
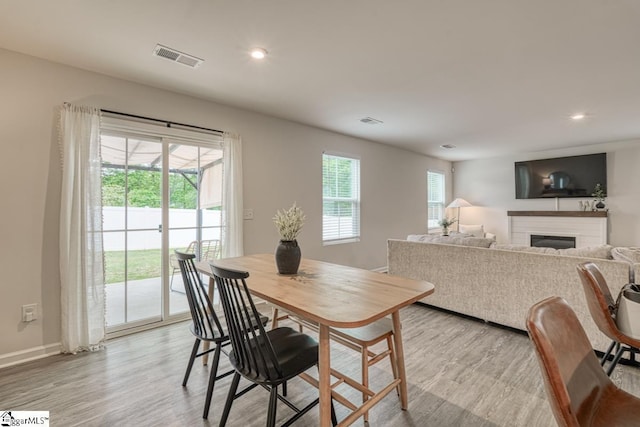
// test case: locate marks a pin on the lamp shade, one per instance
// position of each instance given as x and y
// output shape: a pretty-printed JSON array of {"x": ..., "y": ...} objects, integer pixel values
[{"x": 459, "y": 203}]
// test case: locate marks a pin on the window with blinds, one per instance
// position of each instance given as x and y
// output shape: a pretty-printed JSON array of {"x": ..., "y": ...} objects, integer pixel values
[
  {"x": 340, "y": 199},
  {"x": 435, "y": 198}
]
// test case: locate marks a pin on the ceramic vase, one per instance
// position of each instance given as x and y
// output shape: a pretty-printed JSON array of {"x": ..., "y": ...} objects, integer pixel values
[{"x": 288, "y": 256}]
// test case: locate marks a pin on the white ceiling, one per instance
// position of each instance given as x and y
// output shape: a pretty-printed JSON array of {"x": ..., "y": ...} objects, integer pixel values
[{"x": 489, "y": 76}]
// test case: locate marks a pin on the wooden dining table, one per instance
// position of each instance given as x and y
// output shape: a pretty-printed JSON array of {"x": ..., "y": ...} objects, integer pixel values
[{"x": 332, "y": 296}]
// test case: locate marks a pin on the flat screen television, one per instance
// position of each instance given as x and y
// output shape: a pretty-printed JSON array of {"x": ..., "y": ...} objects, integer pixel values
[{"x": 574, "y": 176}]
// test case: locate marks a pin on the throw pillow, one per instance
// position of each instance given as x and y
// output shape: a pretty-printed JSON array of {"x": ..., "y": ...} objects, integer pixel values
[{"x": 474, "y": 230}]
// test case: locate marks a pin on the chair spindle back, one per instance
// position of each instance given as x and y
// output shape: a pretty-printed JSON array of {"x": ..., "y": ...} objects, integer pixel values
[
  {"x": 205, "y": 321},
  {"x": 253, "y": 352}
]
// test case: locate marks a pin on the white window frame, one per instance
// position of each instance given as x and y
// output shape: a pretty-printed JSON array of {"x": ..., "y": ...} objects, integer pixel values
[
  {"x": 435, "y": 204},
  {"x": 330, "y": 234},
  {"x": 128, "y": 128}
]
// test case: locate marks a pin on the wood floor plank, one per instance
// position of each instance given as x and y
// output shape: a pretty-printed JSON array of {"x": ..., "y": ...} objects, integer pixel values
[{"x": 460, "y": 373}]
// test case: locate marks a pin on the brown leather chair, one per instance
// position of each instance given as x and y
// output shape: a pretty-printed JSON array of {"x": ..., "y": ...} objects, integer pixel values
[
  {"x": 578, "y": 390},
  {"x": 602, "y": 306}
]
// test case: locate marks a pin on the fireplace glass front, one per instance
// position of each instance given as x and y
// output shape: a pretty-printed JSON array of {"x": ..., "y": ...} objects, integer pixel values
[{"x": 556, "y": 242}]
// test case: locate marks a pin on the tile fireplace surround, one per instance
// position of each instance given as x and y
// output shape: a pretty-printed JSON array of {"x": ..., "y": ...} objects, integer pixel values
[{"x": 588, "y": 228}]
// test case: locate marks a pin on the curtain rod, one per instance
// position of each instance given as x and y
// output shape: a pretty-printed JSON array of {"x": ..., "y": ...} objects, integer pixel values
[{"x": 166, "y": 122}]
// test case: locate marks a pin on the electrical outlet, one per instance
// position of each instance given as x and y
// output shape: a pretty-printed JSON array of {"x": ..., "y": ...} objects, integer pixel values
[
  {"x": 29, "y": 312},
  {"x": 248, "y": 214}
]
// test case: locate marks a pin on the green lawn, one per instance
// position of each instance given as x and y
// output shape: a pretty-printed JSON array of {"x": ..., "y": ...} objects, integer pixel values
[{"x": 143, "y": 264}]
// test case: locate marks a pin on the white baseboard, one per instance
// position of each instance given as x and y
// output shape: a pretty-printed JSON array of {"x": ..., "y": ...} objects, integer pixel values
[
  {"x": 380, "y": 269},
  {"x": 28, "y": 355}
]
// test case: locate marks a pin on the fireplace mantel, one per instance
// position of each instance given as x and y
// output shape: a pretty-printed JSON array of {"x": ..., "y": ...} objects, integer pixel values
[
  {"x": 579, "y": 214},
  {"x": 589, "y": 228}
]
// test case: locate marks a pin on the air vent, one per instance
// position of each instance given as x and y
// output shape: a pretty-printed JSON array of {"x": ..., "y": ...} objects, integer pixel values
[
  {"x": 371, "y": 121},
  {"x": 177, "y": 56}
]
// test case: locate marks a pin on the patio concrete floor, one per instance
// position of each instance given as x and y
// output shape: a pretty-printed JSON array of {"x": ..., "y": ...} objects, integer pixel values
[{"x": 144, "y": 300}]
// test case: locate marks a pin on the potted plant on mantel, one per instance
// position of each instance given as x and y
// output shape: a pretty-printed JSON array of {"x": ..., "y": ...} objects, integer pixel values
[
  {"x": 445, "y": 223},
  {"x": 289, "y": 223},
  {"x": 599, "y": 194}
]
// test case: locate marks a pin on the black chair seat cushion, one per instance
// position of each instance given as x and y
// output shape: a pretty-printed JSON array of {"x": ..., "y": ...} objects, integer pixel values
[
  {"x": 214, "y": 335},
  {"x": 296, "y": 352}
]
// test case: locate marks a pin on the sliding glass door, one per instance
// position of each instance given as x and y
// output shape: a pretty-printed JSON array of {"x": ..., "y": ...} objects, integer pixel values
[
  {"x": 159, "y": 194},
  {"x": 195, "y": 202}
]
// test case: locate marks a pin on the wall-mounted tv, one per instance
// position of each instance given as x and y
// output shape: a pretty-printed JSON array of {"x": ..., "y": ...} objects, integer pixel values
[{"x": 574, "y": 176}]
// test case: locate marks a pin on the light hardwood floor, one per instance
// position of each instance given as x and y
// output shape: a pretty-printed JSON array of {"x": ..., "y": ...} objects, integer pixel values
[{"x": 461, "y": 373}]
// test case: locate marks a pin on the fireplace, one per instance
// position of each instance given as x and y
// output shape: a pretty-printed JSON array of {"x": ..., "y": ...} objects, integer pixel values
[
  {"x": 588, "y": 228},
  {"x": 556, "y": 242}
]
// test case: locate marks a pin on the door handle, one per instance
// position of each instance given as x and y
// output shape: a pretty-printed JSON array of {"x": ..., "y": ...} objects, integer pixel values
[{"x": 159, "y": 228}]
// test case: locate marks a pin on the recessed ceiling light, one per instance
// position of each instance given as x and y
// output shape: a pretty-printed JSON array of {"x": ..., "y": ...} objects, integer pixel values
[
  {"x": 258, "y": 53},
  {"x": 578, "y": 116},
  {"x": 447, "y": 146}
]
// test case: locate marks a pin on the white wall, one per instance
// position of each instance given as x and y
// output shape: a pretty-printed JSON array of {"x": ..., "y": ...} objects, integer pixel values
[
  {"x": 282, "y": 164},
  {"x": 489, "y": 185}
]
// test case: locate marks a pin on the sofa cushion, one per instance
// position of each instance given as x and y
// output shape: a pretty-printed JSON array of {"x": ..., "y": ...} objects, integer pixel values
[
  {"x": 522, "y": 248},
  {"x": 455, "y": 239},
  {"x": 474, "y": 230},
  {"x": 421, "y": 237},
  {"x": 602, "y": 252},
  {"x": 431, "y": 237},
  {"x": 478, "y": 242},
  {"x": 630, "y": 255}
]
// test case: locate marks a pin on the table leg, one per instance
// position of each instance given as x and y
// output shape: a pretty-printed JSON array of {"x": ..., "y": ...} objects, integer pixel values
[
  {"x": 397, "y": 337},
  {"x": 205, "y": 344},
  {"x": 324, "y": 368}
]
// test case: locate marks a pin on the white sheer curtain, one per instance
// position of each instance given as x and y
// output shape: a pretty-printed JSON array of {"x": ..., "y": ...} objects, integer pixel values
[
  {"x": 81, "y": 253},
  {"x": 232, "y": 221}
]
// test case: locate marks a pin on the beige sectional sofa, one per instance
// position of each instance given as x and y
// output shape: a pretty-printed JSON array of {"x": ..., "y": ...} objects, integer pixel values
[{"x": 499, "y": 285}]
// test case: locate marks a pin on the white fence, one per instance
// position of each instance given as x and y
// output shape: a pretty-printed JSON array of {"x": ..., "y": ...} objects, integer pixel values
[{"x": 150, "y": 218}]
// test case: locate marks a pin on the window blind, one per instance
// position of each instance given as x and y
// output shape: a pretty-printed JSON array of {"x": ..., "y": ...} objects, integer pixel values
[
  {"x": 435, "y": 198},
  {"x": 340, "y": 199}
]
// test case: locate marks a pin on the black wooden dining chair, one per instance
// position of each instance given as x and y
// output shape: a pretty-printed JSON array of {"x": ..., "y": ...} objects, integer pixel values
[
  {"x": 266, "y": 358},
  {"x": 206, "y": 326}
]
